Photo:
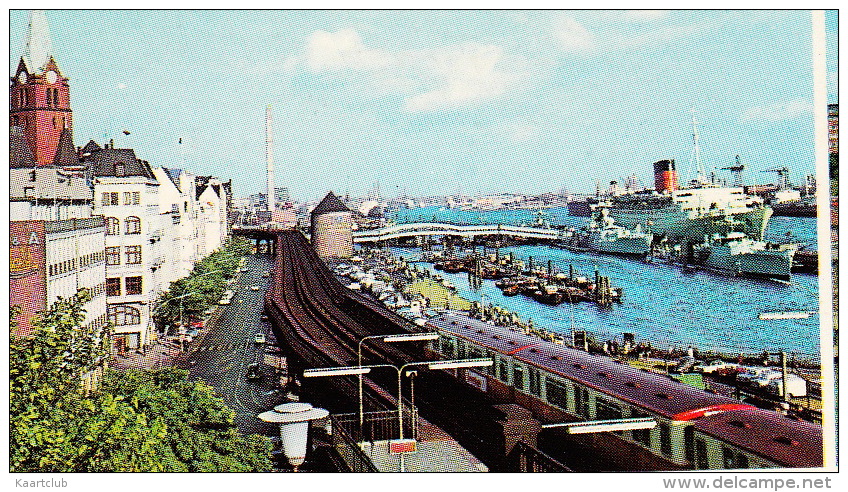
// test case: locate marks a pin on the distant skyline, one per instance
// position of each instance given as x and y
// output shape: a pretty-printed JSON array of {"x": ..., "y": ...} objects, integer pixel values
[{"x": 435, "y": 102}]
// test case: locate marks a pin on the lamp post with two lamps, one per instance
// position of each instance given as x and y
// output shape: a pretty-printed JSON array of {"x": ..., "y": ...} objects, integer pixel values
[
  {"x": 401, "y": 337},
  {"x": 361, "y": 370}
]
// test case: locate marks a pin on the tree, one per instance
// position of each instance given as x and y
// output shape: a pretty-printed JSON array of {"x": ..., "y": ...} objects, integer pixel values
[{"x": 135, "y": 421}]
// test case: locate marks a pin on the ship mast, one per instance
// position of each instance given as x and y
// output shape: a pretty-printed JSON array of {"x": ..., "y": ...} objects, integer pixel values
[{"x": 700, "y": 178}]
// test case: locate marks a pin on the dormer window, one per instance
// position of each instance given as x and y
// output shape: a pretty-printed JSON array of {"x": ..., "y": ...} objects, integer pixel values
[
  {"x": 120, "y": 169},
  {"x": 32, "y": 176}
]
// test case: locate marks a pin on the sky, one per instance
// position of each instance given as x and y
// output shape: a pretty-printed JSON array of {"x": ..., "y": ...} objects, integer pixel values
[{"x": 439, "y": 102}]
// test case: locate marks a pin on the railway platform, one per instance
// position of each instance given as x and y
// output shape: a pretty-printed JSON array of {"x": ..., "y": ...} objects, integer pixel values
[{"x": 436, "y": 452}]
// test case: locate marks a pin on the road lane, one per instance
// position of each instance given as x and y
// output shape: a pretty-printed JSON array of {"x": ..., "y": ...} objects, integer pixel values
[{"x": 221, "y": 354}]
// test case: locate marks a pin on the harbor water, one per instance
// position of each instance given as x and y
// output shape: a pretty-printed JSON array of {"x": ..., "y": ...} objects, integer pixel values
[{"x": 662, "y": 304}]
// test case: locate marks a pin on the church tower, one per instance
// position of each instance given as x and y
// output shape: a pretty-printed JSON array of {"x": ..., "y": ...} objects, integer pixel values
[{"x": 39, "y": 99}]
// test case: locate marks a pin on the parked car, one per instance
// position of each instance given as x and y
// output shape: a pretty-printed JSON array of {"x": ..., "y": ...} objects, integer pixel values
[
  {"x": 685, "y": 364},
  {"x": 749, "y": 374},
  {"x": 253, "y": 372},
  {"x": 263, "y": 317},
  {"x": 259, "y": 338},
  {"x": 225, "y": 301},
  {"x": 716, "y": 366},
  {"x": 193, "y": 333},
  {"x": 266, "y": 274},
  {"x": 766, "y": 377},
  {"x": 254, "y": 287},
  {"x": 795, "y": 386}
]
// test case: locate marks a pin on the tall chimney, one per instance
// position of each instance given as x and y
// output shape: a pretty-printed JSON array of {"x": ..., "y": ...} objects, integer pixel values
[{"x": 269, "y": 157}]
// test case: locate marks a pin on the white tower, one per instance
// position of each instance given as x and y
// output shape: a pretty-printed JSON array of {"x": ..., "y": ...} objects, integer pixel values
[{"x": 269, "y": 158}]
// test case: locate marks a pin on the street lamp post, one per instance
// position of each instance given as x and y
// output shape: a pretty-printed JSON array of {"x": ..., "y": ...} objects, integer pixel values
[
  {"x": 401, "y": 337},
  {"x": 360, "y": 370}
]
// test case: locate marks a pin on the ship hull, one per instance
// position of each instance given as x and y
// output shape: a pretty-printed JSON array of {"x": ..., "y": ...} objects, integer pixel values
[
  {"x": 775, "y": 264},
  {"x": 678, "y": 225},
  {"x": 626, "y": 246}
]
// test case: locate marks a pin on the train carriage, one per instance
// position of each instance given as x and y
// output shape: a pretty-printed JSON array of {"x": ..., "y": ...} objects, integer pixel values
[{"x": 695, "y": 429}]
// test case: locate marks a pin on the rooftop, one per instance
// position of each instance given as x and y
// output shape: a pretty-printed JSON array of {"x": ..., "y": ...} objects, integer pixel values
[{"x": 330, "y": 204}]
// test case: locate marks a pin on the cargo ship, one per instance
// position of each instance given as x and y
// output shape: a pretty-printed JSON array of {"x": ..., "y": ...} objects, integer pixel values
[{"x": 689, "y": 214}]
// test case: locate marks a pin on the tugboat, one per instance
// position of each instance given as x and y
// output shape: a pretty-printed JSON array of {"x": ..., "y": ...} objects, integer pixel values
[{"x": 603, "y": 236}]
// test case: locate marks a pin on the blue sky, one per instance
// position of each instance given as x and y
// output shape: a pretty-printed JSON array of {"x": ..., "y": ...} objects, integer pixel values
[{"x": 439, "y": 102}]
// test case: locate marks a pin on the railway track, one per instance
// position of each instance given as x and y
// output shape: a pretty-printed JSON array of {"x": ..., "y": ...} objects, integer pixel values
[{"x": 322, "y": 321}]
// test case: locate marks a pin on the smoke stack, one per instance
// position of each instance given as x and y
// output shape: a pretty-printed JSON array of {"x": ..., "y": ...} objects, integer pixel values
[
  {"x": 269, "y": 157},
  {"x": 665, "y": 176}
]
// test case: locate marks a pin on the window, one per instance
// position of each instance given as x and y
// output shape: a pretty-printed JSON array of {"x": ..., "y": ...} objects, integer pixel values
[
  {"x": 132, "y": 197},
  {"x": 113, "y": 226},
  {"x": 133, "y": 254},
  {"x": 504, "y": 371},
  {"x": 55, "y": 97},
  {"x": 702, "y": 461},
  {"x": 490, "y": 369},
  {"x": 110, "y": 199},
  {"x": 133, "y": 285},
  {"x": 32, "y": 176},
  {"x": 535, "y": 379},
  {"x": 447, "y": 347},
  {"x": 123, "y": 315},
  {"x": 557, "y": 393},
  {"x": 29, "y": 191},
  {"x": 518, "y": 377},
  {"x": 729, "y": 458},
  {"x": 642, "y": 436},
  {"x": 113, "y": 286},
  {"x": 50, "y": 102},
  {"x": 689, "y": 440},
  {"x": 581, "y": 401},
  {"x": 113, "y": 255},
  {"x": 132, "y": 225},
  {"x": 120, "y": 170},
  {"x": 741, "y": 460},
  {"x": 665, "y": 439}
]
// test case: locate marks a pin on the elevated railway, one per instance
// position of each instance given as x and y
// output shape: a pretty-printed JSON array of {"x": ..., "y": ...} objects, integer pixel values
[{"x": 322, "y": 322}]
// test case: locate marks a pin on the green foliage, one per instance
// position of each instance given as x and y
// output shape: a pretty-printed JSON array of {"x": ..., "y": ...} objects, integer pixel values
[
  {"x": 134, "y": 421},
  {"x": 190, "y": 296}
]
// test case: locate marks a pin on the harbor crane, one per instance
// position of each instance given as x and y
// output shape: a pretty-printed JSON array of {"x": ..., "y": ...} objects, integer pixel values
[
  {"x": 736, "y": 170},
  {"x": 782, "y": 177}
]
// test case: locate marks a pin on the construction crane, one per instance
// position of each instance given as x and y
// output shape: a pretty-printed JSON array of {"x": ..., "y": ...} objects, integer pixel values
[
  {"x": 737, "y": 172},
  {"x": 782, "y": 177}
]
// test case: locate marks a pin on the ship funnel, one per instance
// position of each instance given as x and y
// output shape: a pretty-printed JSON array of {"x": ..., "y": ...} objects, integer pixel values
[{"x": 665, "y": 176}]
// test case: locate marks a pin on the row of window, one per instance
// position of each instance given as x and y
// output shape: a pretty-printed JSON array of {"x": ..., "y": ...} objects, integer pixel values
[
  {"x": 132, "y": 225},
  {"x": 132, "y": 284},
  {"x": 111, "y": 198},
  {"x": 113, "y": 255},
  {"x": 122, "y": 315},
  {"x": 72, "y": 264},
  {"x": 575, "y": 398}
]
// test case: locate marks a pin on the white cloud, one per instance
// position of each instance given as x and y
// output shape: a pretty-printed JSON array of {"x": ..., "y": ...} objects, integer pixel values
[
  {"x": 430, "y": 80},
  {"x": 572, "y": 36},
  {"x": 122, "y": 86},
  {"x": 780, "y": 111},
  {"x": 651, "y": 37},
  {"x": 342, "y": 50},
  {"x": 466, "y": 74},
  {"x": 644, "y": 15}
]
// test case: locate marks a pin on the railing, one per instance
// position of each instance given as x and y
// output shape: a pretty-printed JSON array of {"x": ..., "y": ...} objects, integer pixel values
[
  {"x": 348, "y": 448},
  {"x": 379, "y": 426},
  {"x": 526, "y": 459}
]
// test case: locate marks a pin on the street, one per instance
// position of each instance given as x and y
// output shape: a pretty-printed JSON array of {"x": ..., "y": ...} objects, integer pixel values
[{"x": 222, "y": 352}]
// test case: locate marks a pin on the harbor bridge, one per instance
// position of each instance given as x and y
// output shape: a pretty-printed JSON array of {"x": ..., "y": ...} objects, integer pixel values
[{"x": 439, "y": 229}]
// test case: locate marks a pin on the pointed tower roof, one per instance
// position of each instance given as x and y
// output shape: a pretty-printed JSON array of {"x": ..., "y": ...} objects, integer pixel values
[
  {"x": 66, "y": 154},
  {"x": 39, "y": 47},
  {"x": 330, "y": 204},
  {"x": 20, "y": 155}
]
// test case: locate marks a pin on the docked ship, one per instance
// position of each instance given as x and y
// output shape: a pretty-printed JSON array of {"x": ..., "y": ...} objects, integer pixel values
[
  {"x": 689, "y": 214},
  {"x": 604, "y": 236},
  {"x": 740, "y": 255}
]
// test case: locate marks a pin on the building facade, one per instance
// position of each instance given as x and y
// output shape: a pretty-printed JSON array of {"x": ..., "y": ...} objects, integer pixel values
[{"x": 833, "y": 128}]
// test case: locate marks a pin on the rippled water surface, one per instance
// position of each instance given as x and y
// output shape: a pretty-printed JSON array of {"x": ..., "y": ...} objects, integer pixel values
[{"x": 661, "y": 303}]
